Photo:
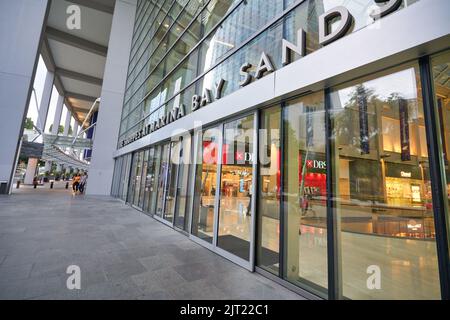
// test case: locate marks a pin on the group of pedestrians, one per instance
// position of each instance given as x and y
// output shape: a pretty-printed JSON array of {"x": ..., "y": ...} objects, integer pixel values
[{"x": 79, "y": 183}]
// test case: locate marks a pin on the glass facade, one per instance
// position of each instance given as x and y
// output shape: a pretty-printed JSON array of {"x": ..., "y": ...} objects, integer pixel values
[{"x": 333, "y": 191}]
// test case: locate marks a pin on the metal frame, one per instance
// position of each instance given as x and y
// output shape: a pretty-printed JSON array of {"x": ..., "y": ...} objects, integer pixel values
[
  {"x": 333, "y": 259},
  {"x": 142, "y": 23},
  {"x": 157, "y": 45},
  {"x": 250, "y": 264}
]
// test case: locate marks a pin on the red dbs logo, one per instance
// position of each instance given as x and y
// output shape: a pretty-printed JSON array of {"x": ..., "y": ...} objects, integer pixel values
[{"x": 211, "y": 151}]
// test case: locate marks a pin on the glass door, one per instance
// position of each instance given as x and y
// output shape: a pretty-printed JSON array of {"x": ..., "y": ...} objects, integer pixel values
[
  {"x": 162, "y": 179},
  {"x": 183, "y": 194},
  {"x": 137, "y": 178},
  {"x": 171, "y": 184},
  {"x": 207, "y": 148},
  {"x": 236, "y": 188},
  {"x": 223, "y": 211}
]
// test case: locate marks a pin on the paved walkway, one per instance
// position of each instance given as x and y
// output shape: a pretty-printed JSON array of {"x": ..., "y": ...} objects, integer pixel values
[{"x": 122, "y": 254}]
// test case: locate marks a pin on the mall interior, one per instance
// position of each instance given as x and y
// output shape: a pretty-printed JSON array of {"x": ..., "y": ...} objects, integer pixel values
[{"x": 304, "y": 140}]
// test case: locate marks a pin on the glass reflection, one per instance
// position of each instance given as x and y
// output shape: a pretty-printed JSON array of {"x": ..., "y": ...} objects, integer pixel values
[
  {"x": 236, "y": 188},
  {"x": 206, "y": 183},
  {"x": 304, "y": 196},
  {"x": 268, "y": 242},
  {"x": 383, "y": 189}
]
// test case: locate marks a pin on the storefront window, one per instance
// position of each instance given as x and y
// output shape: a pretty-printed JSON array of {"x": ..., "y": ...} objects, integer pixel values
[
  {"x": 137, "y": 177},
  {"x": 304, "y": 192},
  {"x": 156, "y": 164},
  {"x": 268, "y": 215},
  {"x": 236, "y": 187},
  {"x": 206, "y": 183},
  {"x": 441, "y": 75},
  {"x": 171, "y": 183},
  {"x": 162, "y": 179},
  {"x": 149, "y": 178},
  {"x": 183, "y": 194},
  {"x": 382, "y": 188},
  {"x": 126, "y": 166},
  {"x": 143, "y": 178}
]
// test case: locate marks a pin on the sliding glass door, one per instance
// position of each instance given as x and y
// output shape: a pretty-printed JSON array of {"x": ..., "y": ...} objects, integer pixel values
[
  {"x": 208, "y": 143},
  {"x": 223, "y": 213},
  {"x": 236, "y": 188}
]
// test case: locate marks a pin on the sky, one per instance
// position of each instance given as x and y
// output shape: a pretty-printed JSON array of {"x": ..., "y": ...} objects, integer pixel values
[{"x": 38, "y": 85}]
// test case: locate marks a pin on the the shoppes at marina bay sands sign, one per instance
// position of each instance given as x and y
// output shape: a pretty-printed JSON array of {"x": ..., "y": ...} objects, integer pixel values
[{"x": 265, "y": 65}]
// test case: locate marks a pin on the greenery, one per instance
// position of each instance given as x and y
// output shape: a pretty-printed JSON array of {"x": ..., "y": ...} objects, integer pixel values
[
  {"x": 60, "y": 129},
  {"x": 29, "y": 125}
]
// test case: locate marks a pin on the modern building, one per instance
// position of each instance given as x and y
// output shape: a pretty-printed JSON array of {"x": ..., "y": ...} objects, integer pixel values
[{"x": 305, "y": 140}]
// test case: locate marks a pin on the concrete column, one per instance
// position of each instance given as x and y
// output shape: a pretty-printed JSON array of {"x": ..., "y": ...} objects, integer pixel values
[
  {"x": 31, "y": 170},
  {"x": 48, "y": 166},
  {"x": 108, "y": 122},
  {"x": 67, "y": 123},
  {"x": 45, "y": 100},
  {"x": 75, "y": 128},
  {"x": 58, "y": 114},
  {"x": 21, "y": 29},
  {"x": 58, "y": 167}
]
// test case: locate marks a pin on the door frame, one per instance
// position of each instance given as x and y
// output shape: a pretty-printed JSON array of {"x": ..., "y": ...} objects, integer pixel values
[{"x": 250, "y": 264}]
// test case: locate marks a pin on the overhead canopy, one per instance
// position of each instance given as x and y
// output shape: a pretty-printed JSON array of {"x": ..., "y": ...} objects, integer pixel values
[
  {"x": 78, "y": 56},
  {"x": 55, "y": 154}
]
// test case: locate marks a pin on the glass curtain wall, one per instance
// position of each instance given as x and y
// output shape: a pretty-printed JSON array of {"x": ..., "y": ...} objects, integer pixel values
[{"x": 382, "y": 188}]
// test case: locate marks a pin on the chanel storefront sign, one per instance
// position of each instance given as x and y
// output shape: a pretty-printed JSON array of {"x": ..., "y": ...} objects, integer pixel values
[{"x": 265, "y": 65}]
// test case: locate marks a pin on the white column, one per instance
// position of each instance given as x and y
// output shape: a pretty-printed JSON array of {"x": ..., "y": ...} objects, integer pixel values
[
  {"x": 21, "y": 27},
  {"x": 45, "y": 100},
  {"x": 31, "y": 170},
  {"x": 58, "y": 114},
  {"x": 48, "y": 166},
  {"x": 75, "y": 128},
  {"x": 67, "y": 123},
  {"x": 108, "y": 122}
]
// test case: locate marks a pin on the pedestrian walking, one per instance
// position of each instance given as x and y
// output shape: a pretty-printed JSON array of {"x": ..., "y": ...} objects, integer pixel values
[
  {"x": 83, "y": 181},
  {"x": 76, "y": 183}
]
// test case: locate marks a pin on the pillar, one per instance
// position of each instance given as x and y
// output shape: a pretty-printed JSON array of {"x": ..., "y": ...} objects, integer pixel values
[
  {"x": 67, "y": 123},
  {"x": 45, "y": 100},
  {"x": 114, "y": 80},
  {"x": 18, "y": 63},
  {"x": 58, "y": 114},
  {"x": 48, "y": 166},
  {"x": 75, "y": 128},
  {"x": 31, "y": 170}
]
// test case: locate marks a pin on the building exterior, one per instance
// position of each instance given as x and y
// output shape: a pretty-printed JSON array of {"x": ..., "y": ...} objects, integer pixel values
[{"x": 307, "y": 140}]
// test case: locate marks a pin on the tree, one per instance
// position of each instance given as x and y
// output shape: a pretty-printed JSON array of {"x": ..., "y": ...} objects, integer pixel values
[
  {"x": 29, "y": 125},
  {"x": 60, "y": 129}
]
